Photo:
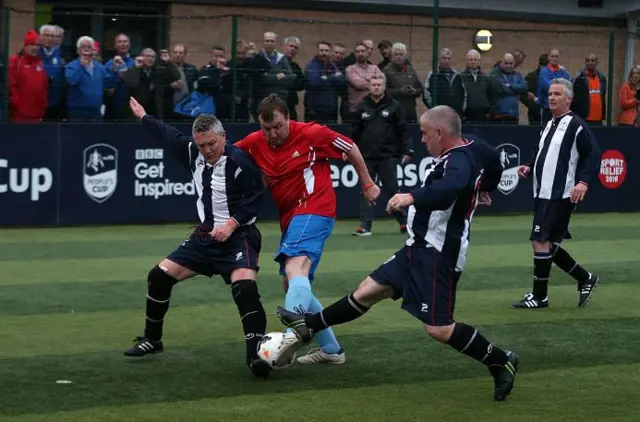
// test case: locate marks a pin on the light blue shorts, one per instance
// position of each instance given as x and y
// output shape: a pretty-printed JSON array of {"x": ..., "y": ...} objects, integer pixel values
[{"x": 305, "y": 236}]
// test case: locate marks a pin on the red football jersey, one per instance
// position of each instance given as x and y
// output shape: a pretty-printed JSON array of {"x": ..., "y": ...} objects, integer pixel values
[{"x": 298, "y": 172}]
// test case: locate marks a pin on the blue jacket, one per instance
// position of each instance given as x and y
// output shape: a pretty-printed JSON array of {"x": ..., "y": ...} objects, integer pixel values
[
  {"x": 120, "y": 96},
  {"x": 544, "y": 82},
  {"x": 509, "y": 96},
  {"x": 322, "y": 86},
  {"x": 86, "y": 89},
  {"x": 54, "y": 65}
]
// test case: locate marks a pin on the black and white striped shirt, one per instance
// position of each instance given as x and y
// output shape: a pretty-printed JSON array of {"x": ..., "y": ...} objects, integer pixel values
[
  {"x": 230, "y": 188},
  {"x": 566, "y": 155},
  {"x": 445, "y": 203}
]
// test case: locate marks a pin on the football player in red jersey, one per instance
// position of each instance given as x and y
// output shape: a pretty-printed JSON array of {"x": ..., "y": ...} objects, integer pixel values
[{"x": 294, "y": 159}]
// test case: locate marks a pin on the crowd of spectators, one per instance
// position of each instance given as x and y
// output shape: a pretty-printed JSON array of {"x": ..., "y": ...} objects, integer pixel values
[{"x": 88, "y": 87}]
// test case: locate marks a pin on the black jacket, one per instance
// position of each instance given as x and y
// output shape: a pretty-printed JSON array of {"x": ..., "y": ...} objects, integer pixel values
[
  {"x": 481, "y": 93},
  {"x": 581, "y": 103},
  {"x": 448, "y": 88},
  {"x": 380, "y": 130}
]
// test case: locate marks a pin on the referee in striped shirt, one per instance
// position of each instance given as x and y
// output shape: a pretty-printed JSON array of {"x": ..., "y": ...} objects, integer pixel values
[{"x": 563, "y": 162}]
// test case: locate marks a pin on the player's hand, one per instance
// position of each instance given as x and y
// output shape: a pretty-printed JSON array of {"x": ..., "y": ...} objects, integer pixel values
[
  {"x": 523, "y": 171},
  {"x": 484, "y": 199},
  {"x": 406, "y": 159},
  {"x": 578, "y": 192},
  {"x": 223, "y": 233},
  {"x": 136, "y": 108},
  {"x": 399, "y": 201},
  {"x": 372, "y": 193},
  {"x": 345, "y": 157}
]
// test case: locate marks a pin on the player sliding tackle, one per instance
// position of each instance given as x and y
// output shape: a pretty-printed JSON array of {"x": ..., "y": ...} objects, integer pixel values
[
  {"x": 227, "y": 241},
  {"x": 294, "y": 158},
  {"x": 424, "y": 272}
]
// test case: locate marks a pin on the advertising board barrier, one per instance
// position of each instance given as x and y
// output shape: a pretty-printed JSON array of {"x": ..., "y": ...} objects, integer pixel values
[{"x": 72, "y": 174}]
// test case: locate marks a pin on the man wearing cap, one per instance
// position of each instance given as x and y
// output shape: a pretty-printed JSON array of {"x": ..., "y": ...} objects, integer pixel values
[{"x": 28, "y": 82}]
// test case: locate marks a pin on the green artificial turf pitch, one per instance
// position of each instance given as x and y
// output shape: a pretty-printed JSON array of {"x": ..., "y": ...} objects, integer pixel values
[{"x": 72, "y": 299}]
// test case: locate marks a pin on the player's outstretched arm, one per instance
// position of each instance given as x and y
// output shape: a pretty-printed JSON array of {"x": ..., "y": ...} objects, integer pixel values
[
  {"x": 178, "y": 142},
  {"x": 369, "y": 188},
  {"x": 442, "y": 193},
  {"x": 158, "y": 127}
]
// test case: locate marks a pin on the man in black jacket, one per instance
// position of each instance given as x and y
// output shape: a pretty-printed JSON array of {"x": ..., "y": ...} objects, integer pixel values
[
  {"x": 590, "y": 93},
  {"x": 290, "y": 49},
  {"x": 381, "y": 134},
  {"x": 530, "y": 100}
]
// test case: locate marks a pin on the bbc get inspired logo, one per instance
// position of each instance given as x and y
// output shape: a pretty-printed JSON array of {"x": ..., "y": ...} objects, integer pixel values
[{"x": 613, "y": 169}]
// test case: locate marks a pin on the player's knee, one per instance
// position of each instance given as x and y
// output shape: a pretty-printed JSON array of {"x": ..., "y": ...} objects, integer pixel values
[
  {"x": 439, "y": 333},
  {"x": 297, "y": 266},
  {"x": 160, "y": 278},
  {"x": 244, "y": 288},
  {"x": 541, "y": 246},
  {"x": 370, "y": 292},
  {"x": 243, "y": 274}
]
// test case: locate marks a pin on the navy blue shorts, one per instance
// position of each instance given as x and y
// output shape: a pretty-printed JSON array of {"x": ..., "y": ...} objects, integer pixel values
[
  {"x": 206, "y": 256},
  {"x": 551, "y": 220},
  {"x": 424, "y": 280}
]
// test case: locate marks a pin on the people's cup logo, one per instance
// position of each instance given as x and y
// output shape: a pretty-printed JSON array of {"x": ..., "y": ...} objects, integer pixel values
[
  {"x": 613, "y": 169},
  {"x": 510, "y": 161},
  {"x": 100, "y": 171}
]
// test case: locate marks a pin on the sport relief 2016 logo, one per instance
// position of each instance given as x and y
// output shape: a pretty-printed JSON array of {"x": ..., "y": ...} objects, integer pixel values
[
  {"x": 510, "y": 161},
  {"x": 100, "y": 170},
  {"x": 613, "y": 169}
]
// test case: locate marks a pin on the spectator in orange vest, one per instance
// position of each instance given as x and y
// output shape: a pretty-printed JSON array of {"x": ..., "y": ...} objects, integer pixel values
[
  {"x": 590, "y": 93},
  {"x": 28, "y": 82}
]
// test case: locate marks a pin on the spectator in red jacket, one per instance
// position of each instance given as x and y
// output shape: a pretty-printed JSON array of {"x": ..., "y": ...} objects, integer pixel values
[{"x": 28, "y": 82}]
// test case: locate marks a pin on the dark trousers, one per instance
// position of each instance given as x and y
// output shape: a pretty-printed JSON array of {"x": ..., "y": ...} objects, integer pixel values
[{"x": 386, "y": 172}]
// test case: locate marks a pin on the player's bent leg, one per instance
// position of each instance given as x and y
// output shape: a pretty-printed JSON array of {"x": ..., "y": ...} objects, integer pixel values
[
  {"x": 586, "y": 281},
  {"x": 244, "y": 290},
  {"x": 160, "y": 281},
  {"x": 502, "y": 364},
  {"x": 298, "y": 300},
  {"x": 330, "y": 350},
  {"x": 542, "y": 261},
  {"x": 344, "y": 310}
]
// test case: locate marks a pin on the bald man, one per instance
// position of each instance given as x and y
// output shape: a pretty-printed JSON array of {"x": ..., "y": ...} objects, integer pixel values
[{"x": 423, "y": 272}]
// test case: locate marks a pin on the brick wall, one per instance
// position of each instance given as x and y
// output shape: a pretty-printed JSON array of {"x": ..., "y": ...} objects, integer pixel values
[
  {"x": 20, "y": 22},
  {"x": 202, "y": 30},
  {"x": 201, "y": 26}
]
